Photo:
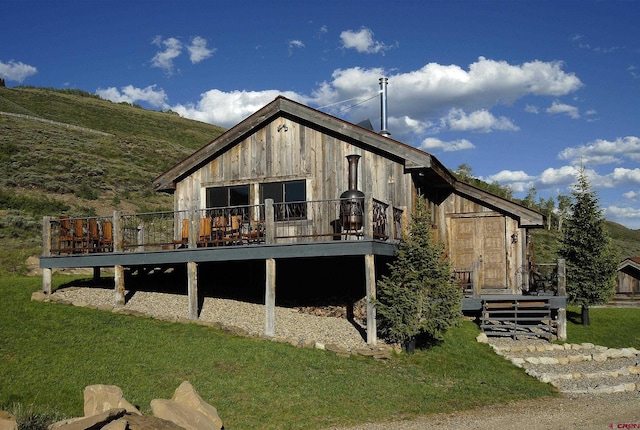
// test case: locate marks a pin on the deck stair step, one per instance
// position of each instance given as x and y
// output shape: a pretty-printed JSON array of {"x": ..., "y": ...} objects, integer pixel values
[{"x": 517, "y": 317}]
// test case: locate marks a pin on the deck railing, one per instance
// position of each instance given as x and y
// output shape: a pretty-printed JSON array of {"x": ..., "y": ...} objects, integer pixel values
[{"x": 290, "y": 222}]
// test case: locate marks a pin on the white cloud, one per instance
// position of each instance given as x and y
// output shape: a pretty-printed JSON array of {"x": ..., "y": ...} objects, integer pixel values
[
  {"x": 602, "y": 151},
  {"x": 362, "y": 41},
  {"x": 227, "y": 109},
  {"x": 17, "y": 72},
  {"x": 431, "y": 143},
  {"x": 415, "y": 98},
  {"x": 131, "y": 94},
  {"x": 510, "y": 176},
  {"x": 531, "y": 109},
  {"x": 164, "y": 59},
  {"x": 565, "y": 175},
  {"x": 295, "y": 44},
  {"x": 616, "y": 212},
  {"x": 479, "y": 121},
  {"x": 198, "y": 50},
  {"x": 561, "y": 108},
  {"x": 631, "y": 195}
]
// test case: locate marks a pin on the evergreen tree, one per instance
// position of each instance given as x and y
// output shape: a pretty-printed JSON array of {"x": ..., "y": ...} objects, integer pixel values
[
  {"x": 418, "y": 298},
  {"x": 585, "y": 245}
]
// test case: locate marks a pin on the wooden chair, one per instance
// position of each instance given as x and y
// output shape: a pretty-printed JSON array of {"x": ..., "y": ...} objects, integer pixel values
[
  {"x": 65, "y": 238},
  {"x": 106, "y": 239},
  {"x": 219, "y": 227},
  {"x": 253, "y": 232},
  {"x": 80, "y": 238},
  {"x": 204, "y": 238},
  {"x": 184, "y": 240},
  {"x": 233, "y": 235},
  {"x": 93, "y": 235}
]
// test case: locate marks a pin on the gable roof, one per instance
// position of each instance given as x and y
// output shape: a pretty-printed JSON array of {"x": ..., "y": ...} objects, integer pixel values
[
  {"x": 424, "y": 164},
  {"x": 411, "y": 157},
  {"x": 632, "y": 263}
]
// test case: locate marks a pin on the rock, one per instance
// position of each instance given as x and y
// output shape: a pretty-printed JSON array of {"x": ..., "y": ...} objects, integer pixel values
[
  {"x": 139, "y": 422},
  {"x": 120, "y": 424},
  {"x": 38, "y": 296},
  {"x": 187, "y": 396},
  {"x": 8, "y": 421},
  {"x": 94, "y": 422},
  {"x": 185, "y": 417},
  {"x": 101, "y": 398},
  {"x": 482, "y": 338}
]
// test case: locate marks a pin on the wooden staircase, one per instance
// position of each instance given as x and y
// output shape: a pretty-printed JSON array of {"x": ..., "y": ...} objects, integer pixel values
[{"x": 517, "y": 317}]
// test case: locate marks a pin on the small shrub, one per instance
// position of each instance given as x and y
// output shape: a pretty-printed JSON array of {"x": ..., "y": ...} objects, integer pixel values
[{"x": 87, "y": 192}]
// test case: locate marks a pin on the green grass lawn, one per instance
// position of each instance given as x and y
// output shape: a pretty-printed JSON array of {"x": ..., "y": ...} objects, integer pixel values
[
  {"x": 50, "y": 352},
  {"x": 611, "y": 327}
]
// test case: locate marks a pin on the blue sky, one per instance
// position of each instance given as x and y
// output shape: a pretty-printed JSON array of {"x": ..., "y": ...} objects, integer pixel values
[{"x": 524, "y": 92}]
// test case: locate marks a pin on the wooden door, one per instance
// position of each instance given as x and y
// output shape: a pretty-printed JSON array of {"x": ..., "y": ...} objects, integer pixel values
[{"x": 481, "y": 239}]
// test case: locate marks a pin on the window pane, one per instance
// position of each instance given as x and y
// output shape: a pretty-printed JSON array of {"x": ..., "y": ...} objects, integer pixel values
[
  {"x": 272, "y": 190},
  {"x": 295, "y": 191},
  {"x": 217, "y": 197},
  {"x": 239, "y": 195}
]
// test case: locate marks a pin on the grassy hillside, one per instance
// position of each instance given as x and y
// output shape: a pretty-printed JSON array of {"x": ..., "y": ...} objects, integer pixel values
[{"x": 91, "y": 157}]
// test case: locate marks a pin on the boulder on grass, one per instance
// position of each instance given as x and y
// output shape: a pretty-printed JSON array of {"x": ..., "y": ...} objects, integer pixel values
[
  {"x": 93, "y": 422},
  {"x": 184, "y": 416},
  {"x": 101, "y": 398},
  {"x": 186, "y": 395},
  {"x": 8, "y": 421}
]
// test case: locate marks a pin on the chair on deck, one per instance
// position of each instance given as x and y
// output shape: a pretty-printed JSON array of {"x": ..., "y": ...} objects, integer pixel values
[
  {"x": 184, "y": 240},
  {"x": 106, "y": 240},
  {"x": 253, "y": 232},
  {"x": 205, "y": 239},
  {"x": 219, "y": 227},
  {"x": 233, "y": 234},
  {"x": 93, "y": 236},
  {"x": 80, "y": 239},
  {"x": 65, "y": 238}
]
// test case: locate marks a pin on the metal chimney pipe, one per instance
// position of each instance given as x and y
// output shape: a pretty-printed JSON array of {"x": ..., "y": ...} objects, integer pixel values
[{"x": 383, "y": 108}]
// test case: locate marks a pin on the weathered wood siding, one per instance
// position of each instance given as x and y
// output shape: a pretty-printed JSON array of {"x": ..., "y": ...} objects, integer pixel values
[
  {"x": 299, "y": 153},
  {"x": 628, "y": 283},
  {"x": 487, "y": 242}
]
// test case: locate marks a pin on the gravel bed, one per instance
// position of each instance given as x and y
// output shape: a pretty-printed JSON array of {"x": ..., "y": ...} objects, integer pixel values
[
  {"x": 584, "y": 367},
  {"x": 289, "y": 324}
]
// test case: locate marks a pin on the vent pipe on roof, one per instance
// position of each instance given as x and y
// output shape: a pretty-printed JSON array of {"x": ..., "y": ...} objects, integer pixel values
[{"x": 383, "y": 108}]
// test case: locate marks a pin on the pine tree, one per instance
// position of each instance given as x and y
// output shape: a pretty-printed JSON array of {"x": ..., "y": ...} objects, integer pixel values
[
  {"x": 418, "y": 299},
  {"x": 585, "y": 245}
]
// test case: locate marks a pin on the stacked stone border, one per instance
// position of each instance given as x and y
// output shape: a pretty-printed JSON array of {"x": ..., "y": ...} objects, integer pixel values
[{"x": 577, "y": 353}]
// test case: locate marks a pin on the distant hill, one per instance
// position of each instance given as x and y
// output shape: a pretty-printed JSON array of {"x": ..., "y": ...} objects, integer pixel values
[{"x": 68, "y": 151}]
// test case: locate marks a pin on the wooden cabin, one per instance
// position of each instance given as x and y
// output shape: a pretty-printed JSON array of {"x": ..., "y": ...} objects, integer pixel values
[
  {"x": 291, "y": 186},
  {"x": 629, "y": 277}
]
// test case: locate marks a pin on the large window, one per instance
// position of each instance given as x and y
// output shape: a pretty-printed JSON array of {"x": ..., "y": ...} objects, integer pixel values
[
  {"x": 289, "y": 198},
  {"x": 237, "y": 195}
]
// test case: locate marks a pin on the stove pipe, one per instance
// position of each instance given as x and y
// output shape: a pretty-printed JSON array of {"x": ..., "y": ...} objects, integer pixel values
[
  {"x": 383, "y": 108},
  {"x": 352, "y": 200}
]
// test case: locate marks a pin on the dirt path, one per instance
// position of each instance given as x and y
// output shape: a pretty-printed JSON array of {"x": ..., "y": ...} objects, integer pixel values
[{"x": 564, "y": 413}]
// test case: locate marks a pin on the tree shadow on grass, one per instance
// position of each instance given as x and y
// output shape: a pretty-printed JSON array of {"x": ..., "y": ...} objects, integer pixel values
[{"x": 574, "y": 317}]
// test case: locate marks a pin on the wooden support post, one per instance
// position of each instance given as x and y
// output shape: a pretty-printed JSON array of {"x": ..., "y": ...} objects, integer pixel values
[
  {"x": 192, "y": 289},
  {"x": 367, "y": 216},
  {"x": 391, "y": 225},
  {"x": 562, "y": 291},
  {"x": 118, "y": 242},
  {"x": 46, "y": 280},
  {"x": 370, "y": 281},
  {"x": 119, "y": 285},
  {"x": 270, "y": 297},
  {"x": 46, "y": 236},
  {"x": 194, "y": 227},
  {"x": 475, "y": 278},
  {"x": 46, "y": 252},
  {"x": 269, "y": 220}
]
